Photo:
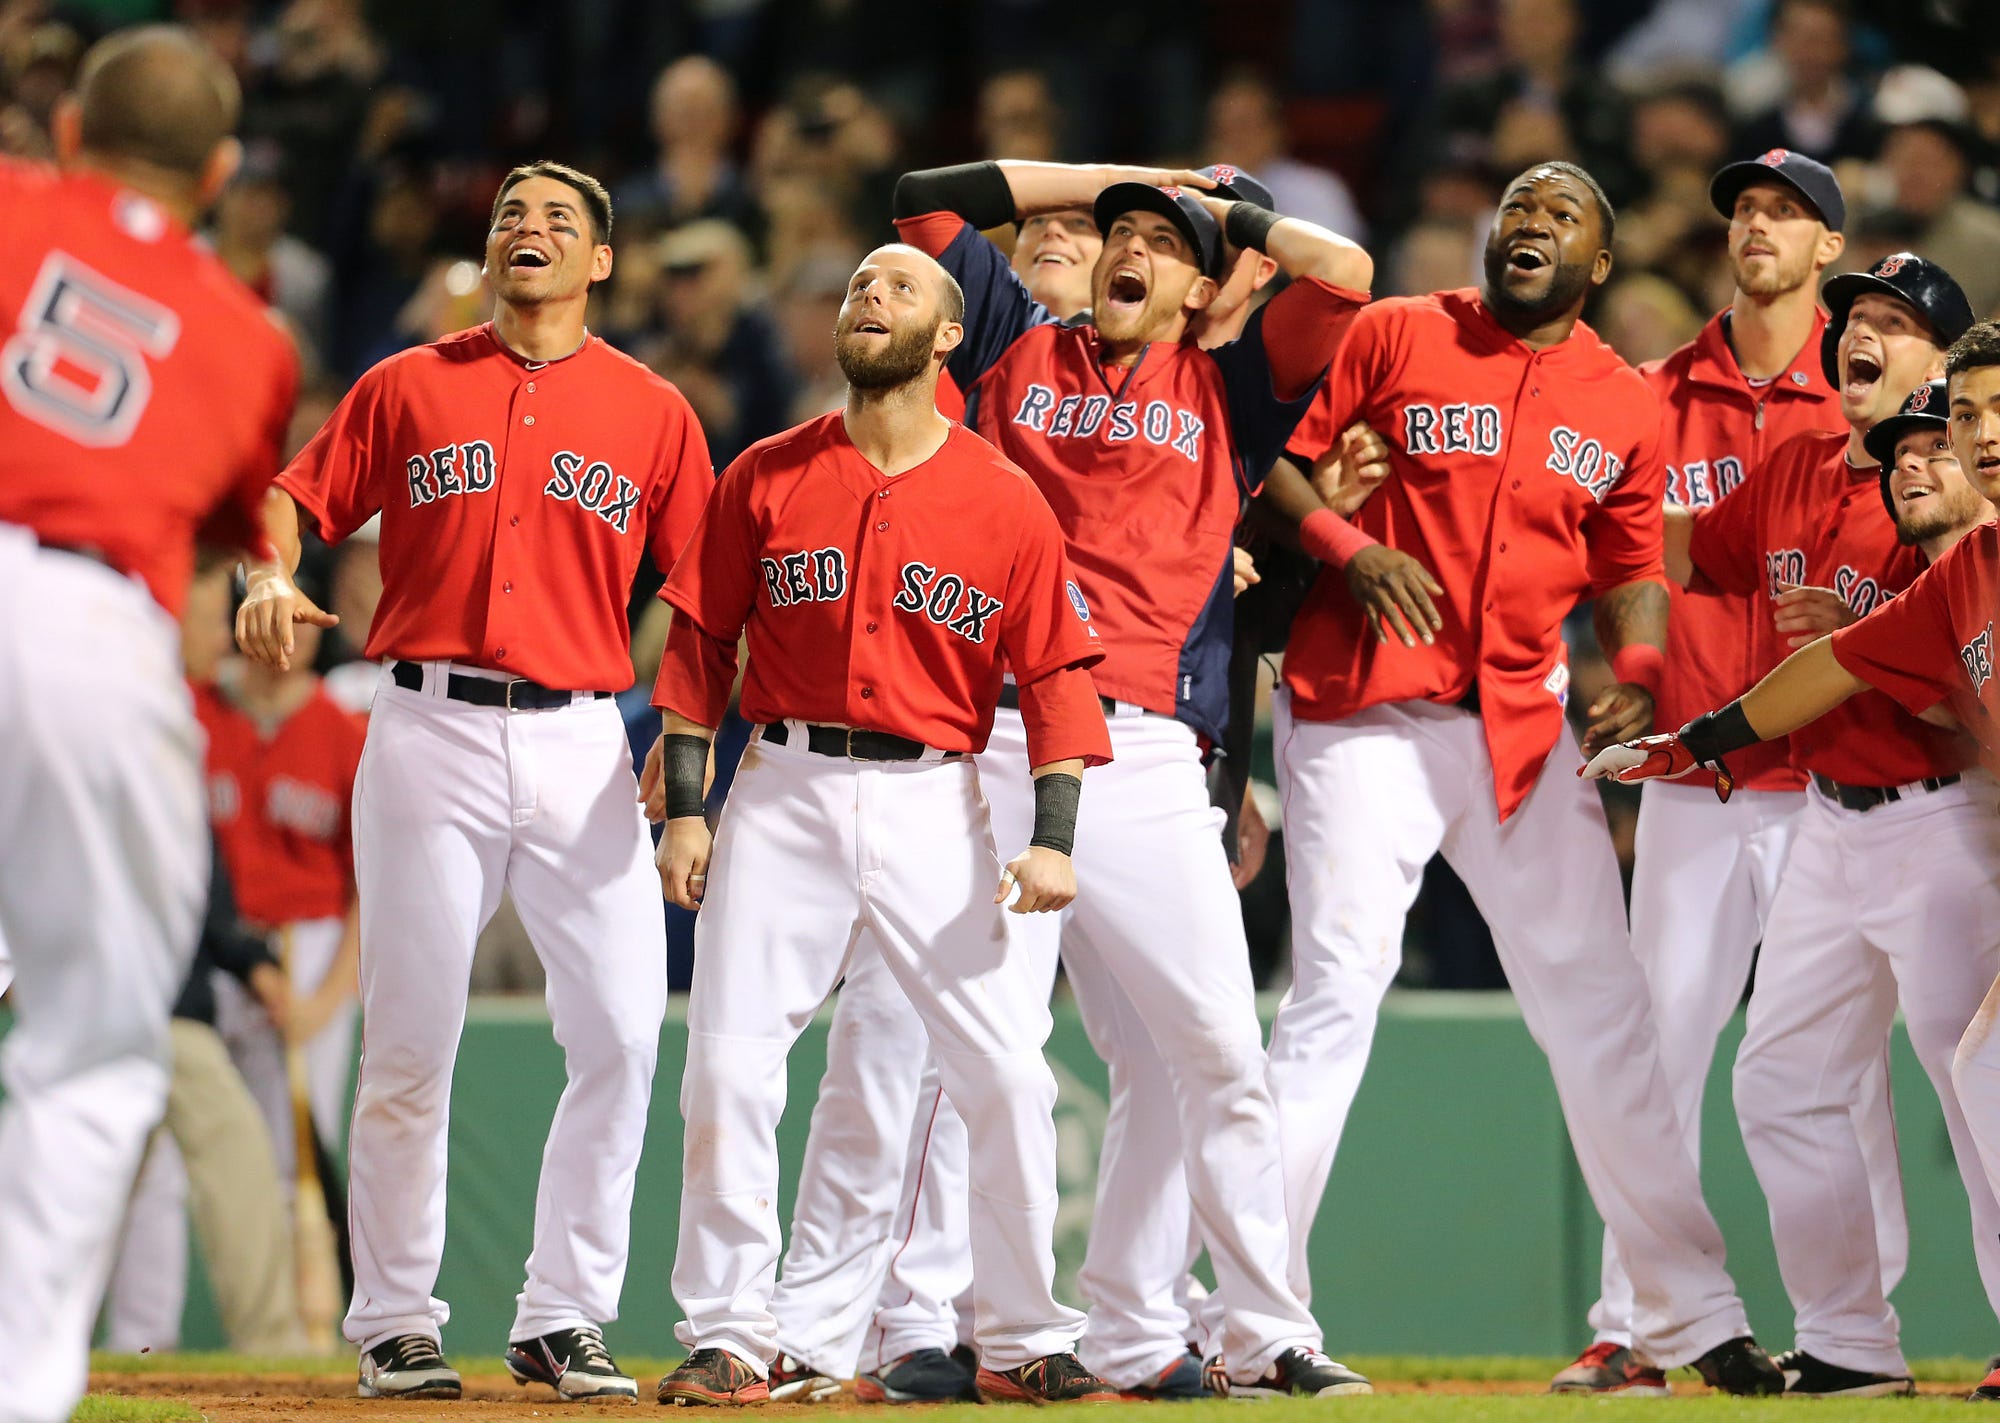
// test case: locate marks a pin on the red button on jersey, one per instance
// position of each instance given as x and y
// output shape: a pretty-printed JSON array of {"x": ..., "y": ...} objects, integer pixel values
[
  {"x": 1812, "y": 520},
  {"x": 1571, "y": 485},
  {"x": 279, "y": 803},
  {"x": 144, "y": 391},
  {"x": 1716, "y": 432},
  {"x": 617, "y": 466},
  {"x": 970, "y": 580}
]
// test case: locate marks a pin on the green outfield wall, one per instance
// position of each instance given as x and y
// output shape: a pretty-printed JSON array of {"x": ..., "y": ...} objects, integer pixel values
[{"x": 1455, "y": 1223}]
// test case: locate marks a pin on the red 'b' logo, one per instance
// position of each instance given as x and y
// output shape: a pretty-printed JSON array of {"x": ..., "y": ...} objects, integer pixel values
[
  {"x": 1889, "y": 266},
  {"x": 1224, "y": 175},
  {"x": 1775, "y": 157},
  {"x": 1171, "y": 192},
  {"x": 1919, "y": 398}
]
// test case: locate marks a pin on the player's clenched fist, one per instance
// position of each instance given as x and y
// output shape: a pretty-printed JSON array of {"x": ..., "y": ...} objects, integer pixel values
[
  {"x": 1040, "y": 879},
  {"x": 683, "y": 860},
  {"x": 270, "y": 609}
]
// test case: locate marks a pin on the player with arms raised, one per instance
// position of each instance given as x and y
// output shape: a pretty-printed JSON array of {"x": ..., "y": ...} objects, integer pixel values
[{"x": 143, "y": 397}]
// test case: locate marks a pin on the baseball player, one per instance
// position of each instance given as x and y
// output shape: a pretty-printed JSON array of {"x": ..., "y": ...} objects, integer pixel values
[
  {"x": 878, "y": 616},
  {"x": 1839, "y": 954},
  {"x": 1145, "y": 446},
  {"x": 1054, "y": 255},
  {"x": 520, "y": 469},
  {"x": 1747, "y": 383},
  {"x": 143, "y": 397},
  {"x": 1526, "y": 475},
  {"x": 1926, "y": 648}
]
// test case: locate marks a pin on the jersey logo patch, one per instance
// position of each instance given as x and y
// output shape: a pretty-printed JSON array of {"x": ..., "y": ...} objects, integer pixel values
[
  {"x": 1699, "y": 483},
  {"x": 1977, "y": 655},
  {"x": 947, "y": 600},
  {"x": 815, "y": 576},
  {"x": 449, "y": 471},
  {"x": 1076, "y": 600},
  {"x": 1556, "y": 684},
  {"x": 594, "y": 486},
  {"x": 1451, "y": 429},
  {"x": 1584, "y": 460},
  {"x": 1082, "y": 417}
]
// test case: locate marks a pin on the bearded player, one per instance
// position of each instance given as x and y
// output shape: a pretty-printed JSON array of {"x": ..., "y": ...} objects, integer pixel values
[
  {"x": 1425, "y": 681},
  {"x": 144, "y": 394}
]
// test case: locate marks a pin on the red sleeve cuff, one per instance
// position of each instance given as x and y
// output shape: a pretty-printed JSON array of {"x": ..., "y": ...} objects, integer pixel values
[
  {"x": 697, "y": 673},
  {"x": 931, "y": 232},
  {"x": 1303, "y": 327},
  {"x": 1064, "y": 719}
]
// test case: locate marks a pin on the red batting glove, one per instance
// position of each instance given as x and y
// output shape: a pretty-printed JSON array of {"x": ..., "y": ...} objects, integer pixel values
[{"x": 1651, "y": 758}]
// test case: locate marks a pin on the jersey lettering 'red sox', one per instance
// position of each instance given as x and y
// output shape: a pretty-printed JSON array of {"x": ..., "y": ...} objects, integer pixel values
[{"x": 1083, "y": 417}]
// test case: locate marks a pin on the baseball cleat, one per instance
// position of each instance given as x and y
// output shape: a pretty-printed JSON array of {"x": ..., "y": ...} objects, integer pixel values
[
  {"x": 1608, "y": 1368},
  {"x": 1300, "y": 1372},
  {"x": 1179, "y": 1381},
  {"x": 795, "y": 1381},
  {"x": 408, "y": 1366},
  {"x": 926, "y": 1376},
  {"x": 1809, "y": 1377},
  {"x": 1988, "y": 1390},
  {"x": 714, "y": 1378},
  {"x": 1740, "y": 1367},
  {"x": 573, "y": 1362},
  {"x": 1058, "y": 1378}
]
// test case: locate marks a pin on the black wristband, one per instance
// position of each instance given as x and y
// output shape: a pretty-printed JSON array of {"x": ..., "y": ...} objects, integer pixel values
[
  {"x": 685, "y": 760},
  {"x": 1247, "y": 225},
  {"x": 1713, "y": 735},
  {"x": 977, "y": 192},
  {"x": 1056, "y": 797}
]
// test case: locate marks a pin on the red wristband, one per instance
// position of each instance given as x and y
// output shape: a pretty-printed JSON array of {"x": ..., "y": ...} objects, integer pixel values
[
  {"x": 1330, "y": 538},
  {"x": 1641, "y": 664}
]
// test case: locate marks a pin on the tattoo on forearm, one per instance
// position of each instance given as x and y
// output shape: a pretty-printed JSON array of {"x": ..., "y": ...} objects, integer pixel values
[{"x": 1632, "y": 613}]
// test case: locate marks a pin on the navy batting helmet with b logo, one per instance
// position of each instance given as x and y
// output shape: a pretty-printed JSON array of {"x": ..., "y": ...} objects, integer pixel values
[
  {"x": 1921, "y": 284},
  {"x": 1923, "y": 409}
]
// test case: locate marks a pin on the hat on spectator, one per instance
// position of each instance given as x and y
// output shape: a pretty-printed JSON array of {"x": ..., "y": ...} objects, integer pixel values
[
  {"x": 1177, "y": 205},
  {"x": 1811, "y": 179}
]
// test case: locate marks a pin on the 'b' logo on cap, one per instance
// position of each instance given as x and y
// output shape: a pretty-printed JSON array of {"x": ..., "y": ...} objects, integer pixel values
[
  {"x": 1775, "y": 158},
  {"x": 1889, "y": 266},
  {"x": 1919, "y": 398},
  {"x": 1171, "y": 192},
  {"x": 1224, "y": 175}
]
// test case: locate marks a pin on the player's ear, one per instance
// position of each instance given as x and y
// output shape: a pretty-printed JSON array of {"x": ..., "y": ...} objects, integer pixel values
[
  {"x": 66, "y": 128},
  {"x": 1831, "y": 245},
  {"x": 1600, "y": 267},
  {"x": 1267, "y": 268},
  {"x": 949, "y": 334},
  {"x": 1200, "y": 294},
  {"x": 600, "y": 262},
  {"x": 223, "y": 162}
]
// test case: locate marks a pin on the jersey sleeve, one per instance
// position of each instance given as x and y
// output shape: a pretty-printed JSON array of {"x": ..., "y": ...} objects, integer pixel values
[
  {"x": 998, "y": 309},
  {"x": 334, "y": 478},
  {"x": 1359, "y": 366},
  {"x": 1905, "y": 647},
  {"x": 1064, "y": 719},
  {"x": 683, "y": 488},
  {"x": 1726, "y": 541},
  {"x": 1624, "y": 536},
  {"x": 238, "y": 522},
  {"x": 1271, "y": 371},
  {"x": 1045, "y": 625}
]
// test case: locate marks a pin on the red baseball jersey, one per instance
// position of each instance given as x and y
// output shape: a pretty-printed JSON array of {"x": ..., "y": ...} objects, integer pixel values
[
  {"x": 884, "y": 603},
  {"x": 1716, "y": 429},
  {"x": 144, "y": 391},
  {"x": 1146, "y": 468},
  {"x": 1523, "y": 480},
  {"x": 516, "y": 497},
  {"x": 279, "y": 799},
  {"x": 1813, "y": 520},
  {"x": 1934, "y": 642}
]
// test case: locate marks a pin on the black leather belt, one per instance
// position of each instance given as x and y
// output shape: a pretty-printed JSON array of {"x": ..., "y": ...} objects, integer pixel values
[
  {"x": 517, "y": 694},
  {"x": 1010, "y": 698},
  {"x": 854, "y": 745},
  {"x": 1868, "y": 797}
]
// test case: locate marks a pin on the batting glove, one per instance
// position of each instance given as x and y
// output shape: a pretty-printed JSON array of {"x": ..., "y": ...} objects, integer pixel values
[{"x": 1652, "y": 758}]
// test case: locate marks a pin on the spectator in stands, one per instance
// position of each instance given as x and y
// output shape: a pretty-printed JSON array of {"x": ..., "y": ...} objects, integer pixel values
[
  {"x": 807, "y": 307},
  {"x": 310, "y": 100},
  {"x": 1645, "y": 317},
  {"x": 37, "y": 62},
  {"x": 1680, "y": 136},
  {"x": 694, "y": 175},
  {"x": 1798, "y": 94},
  {"x": 1246, "y": 124},
  {"x": 1018, "y": 117},
  {"x": 249, "y": 236},
  {"x": 376, "y": 281},
  {"x": 1929, "y": 167}
]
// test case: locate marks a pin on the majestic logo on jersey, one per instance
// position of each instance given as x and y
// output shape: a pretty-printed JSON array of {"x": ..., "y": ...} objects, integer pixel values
[
  {"x": 1699, "y": 483},
  {"x": 1083, "y": 417},
  {"x": 1585, "y": 461},
  {"x": 947, "y": 600},
  {"x": 1977, "y": 655},
  {"x": 448, "y": 471},
  {"x": 1889, "y": 266},
  {"x": 593, "y": 485},
  {"x": 1451, "y": 429},
  {"x": 817, "y": 576}
]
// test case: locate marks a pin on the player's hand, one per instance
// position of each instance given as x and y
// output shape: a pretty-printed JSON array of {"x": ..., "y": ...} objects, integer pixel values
[
  {"x": 653, "y": 781},
  {"x": 272, "y": 989},
  {"x": 1651, "y": 758},
  {"x": 313, "y": 1011},
  {"x": 682, "y": 858},
  {"x": 1353, "y": 470},
  {"x": 1807, "y": 614},
  {"x": 1160, "y": 178},
  {"x": 1623, "y": 713},
  {"x": 1395, "y": 591},
  {"x": 1244, "y": 569},
  {"x": 1253, "y": 840},
  {"x": 1040, "y": 879},
  {"x": 264, "y": 622}
]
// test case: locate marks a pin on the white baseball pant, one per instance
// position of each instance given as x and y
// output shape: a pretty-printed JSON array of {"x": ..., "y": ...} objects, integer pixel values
[
  {"x": 1898, "y": 904},
  {"x": 1705, "y": 877},
  {"x": 103, "y": 869},
  {"x": 813, "y": 853},
  {"x": 452, "y": 804},
  {"x": 1368, "y": 801}
]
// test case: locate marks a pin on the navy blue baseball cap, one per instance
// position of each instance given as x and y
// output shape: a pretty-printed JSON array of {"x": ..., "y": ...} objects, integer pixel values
[
  {"x": 1923, "y": 285},
  {"x": 1233, "y": 183},
  {"x": 1922, "y": 409},
  {"x": 1178, "y": 205},
  {"x": 1811, "y": 179}
]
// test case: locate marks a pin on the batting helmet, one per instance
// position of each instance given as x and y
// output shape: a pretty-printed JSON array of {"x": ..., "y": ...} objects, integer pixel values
[
  {"x": 1907, "y": 277},
  {"x": 1924, "y": 407}
]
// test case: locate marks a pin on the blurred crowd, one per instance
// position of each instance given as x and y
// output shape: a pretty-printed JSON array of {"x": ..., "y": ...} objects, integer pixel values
[{"x": 751, "y": 145}]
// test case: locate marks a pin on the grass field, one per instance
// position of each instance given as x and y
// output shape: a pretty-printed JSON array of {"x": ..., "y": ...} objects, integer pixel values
[{"x": 229, "y": 1388}]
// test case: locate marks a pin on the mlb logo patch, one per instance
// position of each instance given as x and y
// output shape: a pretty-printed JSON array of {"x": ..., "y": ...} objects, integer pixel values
[
  {"x": 1076, "y": 600},
  {"x": 1556, "y": 684}
]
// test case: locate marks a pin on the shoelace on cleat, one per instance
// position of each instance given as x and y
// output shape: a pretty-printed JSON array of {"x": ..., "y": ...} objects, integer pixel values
[
  {"x": 416, "y": 1351},
  {"x": 589, "y": 1352}
]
